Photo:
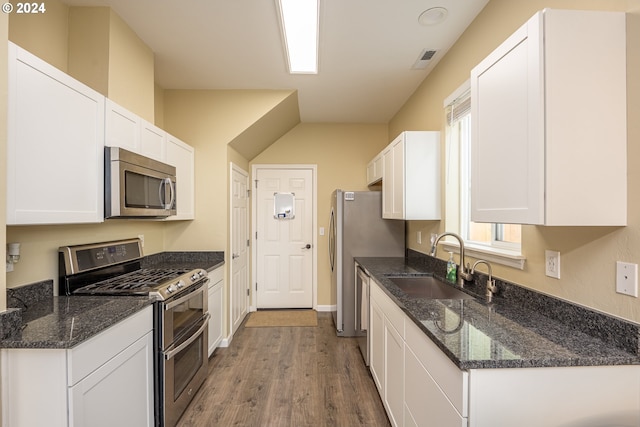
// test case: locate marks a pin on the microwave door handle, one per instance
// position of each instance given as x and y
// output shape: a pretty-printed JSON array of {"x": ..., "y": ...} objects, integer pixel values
[
  {"x": 163, "y": 190},
  {"x": 173, "y": 193}
]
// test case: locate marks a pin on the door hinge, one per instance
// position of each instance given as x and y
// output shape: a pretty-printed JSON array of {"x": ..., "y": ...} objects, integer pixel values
[
  {"x": 248, "y": 193},
  {"x": 247, "y": 242},
  {"x": 256, "y": 181},
  {"x": 256, "y": 286},
  {"x": 247, "y": 291},
  {"x": 256, "y": 235}
]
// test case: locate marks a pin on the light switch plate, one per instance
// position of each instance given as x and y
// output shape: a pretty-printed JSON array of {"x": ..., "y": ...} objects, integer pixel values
[{"x": 627, "y": 278}]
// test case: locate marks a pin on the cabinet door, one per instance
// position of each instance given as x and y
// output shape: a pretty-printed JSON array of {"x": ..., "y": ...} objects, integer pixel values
[
  {"x": 118, "y": 393},
  {"x": 376, "y": 351},
  {"x": 397, "y": 209},
  {"x": 394, "y": 374},
  {"x": 122, "y": 127},
  {"x": 426, "y": 404},
  {"x": 55, "y": 145},
  {"x": 152, "y": 141},
  {"x": 393, "y": 180},
  {"x": 374, "y": 170},
  {"x": 215, "y": 308},
  {"x": 507, "y": 145},
  {"x": 182, "y": 156},
  {"x": 387, "y": 183},
  {"x": 215, "y": 322}
]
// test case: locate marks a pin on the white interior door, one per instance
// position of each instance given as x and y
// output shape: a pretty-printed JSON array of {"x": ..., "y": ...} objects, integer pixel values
[
  {"x": 284, "y": 252},
  {"x": 239, "y": 285}
]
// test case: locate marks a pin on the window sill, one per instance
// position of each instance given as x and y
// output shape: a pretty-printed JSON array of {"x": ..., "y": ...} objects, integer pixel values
[{"x": 493, "y": 255}]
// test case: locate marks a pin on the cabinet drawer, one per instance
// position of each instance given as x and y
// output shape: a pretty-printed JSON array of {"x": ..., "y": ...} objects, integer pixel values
[
  {"x": 216, "y": 275},
  {"x": 95, "y": 352},
  {"x": 452, "y": 381},
  {"x": 392, "y": 312}
]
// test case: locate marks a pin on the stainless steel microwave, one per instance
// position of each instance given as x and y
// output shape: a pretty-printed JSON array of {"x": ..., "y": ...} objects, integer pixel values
[{"x": 137, "y": 186}]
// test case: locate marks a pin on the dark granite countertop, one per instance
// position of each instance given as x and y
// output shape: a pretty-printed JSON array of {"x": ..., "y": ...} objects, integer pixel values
[
  {"x": 38, "y": 319},
  {"x": 64, "y": 322},
  {"x": 474, "y": 334}
]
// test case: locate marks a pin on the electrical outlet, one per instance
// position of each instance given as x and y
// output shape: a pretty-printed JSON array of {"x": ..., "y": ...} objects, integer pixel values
[
  {"x": 141, "y": 237},
  {"x": 419, "y": 237},
  {"x": 552, "y": 264},
  {"x": 627, "y": 278}
]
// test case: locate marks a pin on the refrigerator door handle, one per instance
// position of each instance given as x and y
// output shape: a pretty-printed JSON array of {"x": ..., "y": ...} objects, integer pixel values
[{"x": 332, "y": 240}]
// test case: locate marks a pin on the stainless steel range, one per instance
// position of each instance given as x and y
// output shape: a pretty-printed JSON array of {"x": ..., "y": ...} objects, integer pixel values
[{"x": 180, "y": 313}]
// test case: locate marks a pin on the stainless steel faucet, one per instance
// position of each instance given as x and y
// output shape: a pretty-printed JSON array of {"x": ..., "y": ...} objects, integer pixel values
[
  {"x": 491, "y": 283},
  {"x": 463, "y": 271}
]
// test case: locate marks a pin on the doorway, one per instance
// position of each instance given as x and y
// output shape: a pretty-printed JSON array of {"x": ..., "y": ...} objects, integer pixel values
[{"x": 284, "y": 250}]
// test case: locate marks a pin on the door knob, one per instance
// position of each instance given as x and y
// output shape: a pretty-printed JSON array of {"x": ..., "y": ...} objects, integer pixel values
[
  {"x": 307, "y": 246},
  {"x": 234, "y": 256}
]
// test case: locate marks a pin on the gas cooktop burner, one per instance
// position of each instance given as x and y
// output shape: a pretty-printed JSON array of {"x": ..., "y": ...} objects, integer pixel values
[
  {"x": 144, "y": 281},
  {"x": 113, "y": 268}
]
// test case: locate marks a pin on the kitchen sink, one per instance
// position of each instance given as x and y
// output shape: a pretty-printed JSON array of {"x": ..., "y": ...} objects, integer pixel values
[{"x": 427, "y": 287}]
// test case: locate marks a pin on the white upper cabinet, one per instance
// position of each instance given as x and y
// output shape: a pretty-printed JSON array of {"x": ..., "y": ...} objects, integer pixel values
[
  {"x": 411, "y": 177},
  {"x": 127, "y": 130},
  {"x": 182, "y": 156},
  {"x": 153, "y": 141},
  {"x": 549, "y": 132},
  {"x": 375, "y": 169},
  {"x": 55, "y": 141},
  {"x": 122, "y": 127}
]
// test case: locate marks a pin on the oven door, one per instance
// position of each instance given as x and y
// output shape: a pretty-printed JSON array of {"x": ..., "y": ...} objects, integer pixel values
[
  {"x": 185, "y": 369},
  {"x": 179, "y": 314}
]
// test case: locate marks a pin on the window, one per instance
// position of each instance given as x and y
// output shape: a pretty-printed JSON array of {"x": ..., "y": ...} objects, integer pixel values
[{"x": 499, "y": 239}]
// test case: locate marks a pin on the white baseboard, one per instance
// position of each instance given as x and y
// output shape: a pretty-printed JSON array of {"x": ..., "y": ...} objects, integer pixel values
[{"x": 325, "y": 308}]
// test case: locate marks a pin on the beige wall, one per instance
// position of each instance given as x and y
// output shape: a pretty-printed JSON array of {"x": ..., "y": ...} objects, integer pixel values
[
  {"x": 131, "y": 70},
  {"x": 89, "y": 46},
  {"x": 45, "y": 35},
  {"x": 341, "y": 153},
  {"x": 588, "y": 254}
]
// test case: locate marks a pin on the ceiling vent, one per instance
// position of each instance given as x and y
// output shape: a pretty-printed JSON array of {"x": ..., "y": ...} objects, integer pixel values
[{"x": 424, "y": 59}]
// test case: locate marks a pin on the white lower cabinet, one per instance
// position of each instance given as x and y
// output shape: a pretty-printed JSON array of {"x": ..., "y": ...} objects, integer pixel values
[
  {"x": 387, "y": 353},
  {"x": 376, "y": 341},
  {"x": 420, "y": 386},
  {"x": 216, "y": 283},
  {"x": 104, "y": 381},
  {"x": 435, "y": 389}
]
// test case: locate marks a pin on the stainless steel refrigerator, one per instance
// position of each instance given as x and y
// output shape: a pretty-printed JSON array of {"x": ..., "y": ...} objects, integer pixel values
[{"x": 356, "y": 229}]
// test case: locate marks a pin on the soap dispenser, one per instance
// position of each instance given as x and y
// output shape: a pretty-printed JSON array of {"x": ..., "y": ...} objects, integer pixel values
[{"x": 452, "y": 269}]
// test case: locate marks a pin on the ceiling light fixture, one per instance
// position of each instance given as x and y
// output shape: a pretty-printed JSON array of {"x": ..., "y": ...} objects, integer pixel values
[
  {"x": 299, "y": 22},
  {"x": 433, "y": 16}
]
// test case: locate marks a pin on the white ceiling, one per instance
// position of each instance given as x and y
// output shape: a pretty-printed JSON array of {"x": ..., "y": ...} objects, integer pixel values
[{"x": 367, "y": 49}]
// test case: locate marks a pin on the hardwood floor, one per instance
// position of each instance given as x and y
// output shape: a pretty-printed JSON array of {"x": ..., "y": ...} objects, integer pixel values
[{"x": 305, "y": 376}]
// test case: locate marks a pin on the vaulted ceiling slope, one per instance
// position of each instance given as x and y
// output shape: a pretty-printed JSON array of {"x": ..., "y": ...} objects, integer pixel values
[{"x": 367, "y": 49}]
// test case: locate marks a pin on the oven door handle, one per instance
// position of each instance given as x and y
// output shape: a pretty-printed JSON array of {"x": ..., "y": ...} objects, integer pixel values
[
  {"x": 180, "y": 300},
  {"x": 169, "y": 355}
]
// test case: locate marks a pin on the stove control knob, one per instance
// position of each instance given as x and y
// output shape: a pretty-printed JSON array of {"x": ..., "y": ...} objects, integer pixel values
[
  {"x": 180, "y": 285},
  {"x": 194, "y": 277},
  {"x": 170, "y": 289}
]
